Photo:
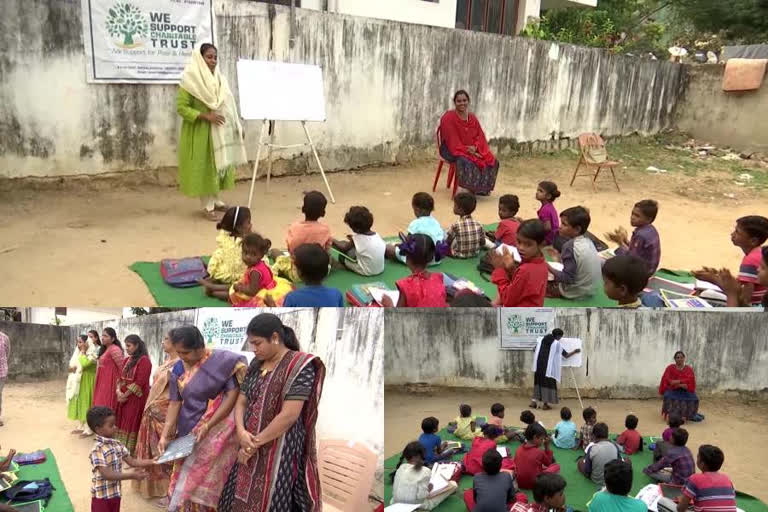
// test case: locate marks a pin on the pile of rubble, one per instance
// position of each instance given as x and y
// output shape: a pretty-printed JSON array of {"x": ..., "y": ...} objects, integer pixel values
[{"x": 705, "y": 151}]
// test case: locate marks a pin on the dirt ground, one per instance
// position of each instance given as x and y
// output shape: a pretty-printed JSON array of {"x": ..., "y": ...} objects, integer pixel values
[
  {"x": 35, "y": 416},
  {"x": 74, "y": 245},
  {"x": 738, "y": 428}
]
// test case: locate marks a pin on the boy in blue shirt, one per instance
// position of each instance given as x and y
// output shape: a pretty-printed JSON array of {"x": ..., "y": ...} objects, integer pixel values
[
  {"x": 618, "y": 481},
  {"x": 312, "y": 262},
  {"x": 565, "y": 431}
]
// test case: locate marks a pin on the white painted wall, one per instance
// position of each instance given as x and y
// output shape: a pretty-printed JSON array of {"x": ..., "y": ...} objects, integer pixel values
[
  {"x": 74, "y": 315},
  {"x": 440, "y": 14}
]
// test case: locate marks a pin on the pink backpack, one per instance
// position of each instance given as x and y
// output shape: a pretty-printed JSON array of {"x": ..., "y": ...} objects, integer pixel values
[{"x": 183, "y": 273}]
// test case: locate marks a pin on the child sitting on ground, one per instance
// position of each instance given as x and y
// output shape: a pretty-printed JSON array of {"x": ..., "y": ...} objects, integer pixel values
[
  {"x": 674, "y": 420},
  {"x": 580, "y": 276},
  {"x": 522, "y": 285},
  {"x": 107, "y": 456},
  {"x": 497, "y": 418},
  {"x": 618, "y": 482},
  {"x": 624, "y": 279},
  {"x": 630, "y": 440},
  {"x": 435, "y": 448},
  {"x": 465, "y": 426},
  {"x": 226, "y": 264},
  {"x": 749, "y": 235},
  {"x": 599, "y": 453},
  {"x": 466, "y": 236},
  {"x": 257, "y": 281},
  {"x": 473, "y": 460},
  {"x": 308, "y": 231},
  {"x": 708, "y": 491},
  {"x": 425, "y": 224},
  {"x": 678, "y": 457},
  {"x": 565, "y": 430},
  {"x": 548, "y": 495},
  {"x": 363, "y": 251},
  {"x": 492, "y": 490},
  {"x": 585, "y": 433},
  {"x": 422, "y": 289},
  {"x": 528, "y": 418},
  {"x": 311, "y": 262},
  {"x": 645, "y": 243},
  {"x": 546, "y": 193},
  {"x": 732, "y": 287},
  {"x": 410, "y": 481},
  {"x": 506, "y": 231},
  {"x": 530, "y": 462}
]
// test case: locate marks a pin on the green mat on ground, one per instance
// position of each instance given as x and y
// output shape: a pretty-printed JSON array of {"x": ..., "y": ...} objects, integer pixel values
[
  {"x": 579, "y": 490},
  {"x": 168, "y": 296},
  {"x": 59, "y": 501}
]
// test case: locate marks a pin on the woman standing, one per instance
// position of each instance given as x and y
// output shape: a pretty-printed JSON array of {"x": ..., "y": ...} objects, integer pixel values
[
  {"x": 93, "y": 338},
  {"x": 152, "y": 424},
  {"x": 132, "y": 391},
  {"x": 546, "y": 369},
  {"x": 211, "y": 141},
  {"x": 110, "y": 367},
  {"x": 678, "y": 387},
  {"x": 82, "y": 375},
  {"x": 463, "y": 142},
  {"x": 276, "y": 414},
  {"x": 203, "y": 389}
]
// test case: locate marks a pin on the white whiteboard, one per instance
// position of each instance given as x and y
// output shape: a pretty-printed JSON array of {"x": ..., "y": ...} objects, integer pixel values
[
  {"x": 278, "y": 91},
  {"x": 569, "y": 345}
]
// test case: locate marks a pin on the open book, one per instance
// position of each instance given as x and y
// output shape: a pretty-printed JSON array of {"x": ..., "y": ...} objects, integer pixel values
[
  {"x": 511, "y": 249},
  {"x": 441, "y": 475}
]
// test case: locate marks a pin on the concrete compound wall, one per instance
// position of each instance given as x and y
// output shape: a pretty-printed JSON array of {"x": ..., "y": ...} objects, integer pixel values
[
  {"x": 386, "y": 83},
  {"x": 737, "y": 119},
  {"x": 625, "y": 352},
  {"x": 37, "y": 351}
]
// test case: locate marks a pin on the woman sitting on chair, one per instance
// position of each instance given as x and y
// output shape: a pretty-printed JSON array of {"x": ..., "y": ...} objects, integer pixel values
[
  {"x": 678, "y": 387},
  {"x": 464, "y": 143}
]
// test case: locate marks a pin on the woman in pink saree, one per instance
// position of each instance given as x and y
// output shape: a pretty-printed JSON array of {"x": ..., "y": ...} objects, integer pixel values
[
  {"x": 276, "y": 412},
  {"x": 203, "y": 388}
]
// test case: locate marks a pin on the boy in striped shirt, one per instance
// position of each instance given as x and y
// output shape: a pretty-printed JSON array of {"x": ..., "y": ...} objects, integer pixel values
[{"x": 708, "y": 491}]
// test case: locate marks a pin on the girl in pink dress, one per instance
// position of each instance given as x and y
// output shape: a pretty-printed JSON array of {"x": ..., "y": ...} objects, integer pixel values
[
  {"x": 421, "y": 289},
  {"x": 546, "y": 193},
  {"x": 108, "y": 372}
]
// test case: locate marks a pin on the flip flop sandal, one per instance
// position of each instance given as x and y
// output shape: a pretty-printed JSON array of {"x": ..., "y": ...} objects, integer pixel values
[
  {"x": 221, "y": 207},
  {"x": 213, "y": 215},
  {"x": 533, "y": 405}
]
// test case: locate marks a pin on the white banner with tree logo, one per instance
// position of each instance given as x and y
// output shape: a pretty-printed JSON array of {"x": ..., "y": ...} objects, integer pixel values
[
  {"x": 143, "y": 41},
  {"x": 521, "y": 328},
  {"x": 224, "y": 328}
]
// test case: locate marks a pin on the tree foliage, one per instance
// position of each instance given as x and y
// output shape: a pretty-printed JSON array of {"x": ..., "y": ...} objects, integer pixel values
[
  {"x": 651, "y": 26},
  {"x": 737, "y": 21}
]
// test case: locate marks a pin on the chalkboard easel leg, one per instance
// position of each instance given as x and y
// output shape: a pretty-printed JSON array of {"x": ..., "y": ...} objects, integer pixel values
[
  {"x": 256, "y": 162},
  {"x": 317, "y": 159}
]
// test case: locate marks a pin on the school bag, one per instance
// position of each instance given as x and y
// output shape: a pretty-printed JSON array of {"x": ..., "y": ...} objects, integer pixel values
[
  {"x": 24, "y": 459},
  {"x": 29, "y": 490},
  {"x": 183, "y": 273}
]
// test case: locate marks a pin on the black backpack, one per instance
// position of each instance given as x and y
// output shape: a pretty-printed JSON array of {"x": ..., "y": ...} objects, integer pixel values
[{"x": 18, "y": 494}]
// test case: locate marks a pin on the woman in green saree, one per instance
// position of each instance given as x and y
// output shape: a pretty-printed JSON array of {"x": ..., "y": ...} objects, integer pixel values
[
  {"x": 211, "y": 140},
  {"x": 79, "y": 389}
]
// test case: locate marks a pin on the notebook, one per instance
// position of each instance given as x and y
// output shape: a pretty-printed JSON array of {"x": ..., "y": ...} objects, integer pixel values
[
  {"x": 502, "y": 451},
  {"x": 512, "y": 250},
  {"x": 178, "y": 449}
]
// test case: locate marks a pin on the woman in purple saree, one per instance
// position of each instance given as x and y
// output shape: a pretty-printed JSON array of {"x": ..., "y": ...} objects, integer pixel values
[
  {"x": 203, "y": 389},
  {"x": 276, "y": 414}
]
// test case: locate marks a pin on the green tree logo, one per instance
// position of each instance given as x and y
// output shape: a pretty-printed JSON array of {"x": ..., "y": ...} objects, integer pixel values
[
  {"x": 211, "y": 330},
  {"x": 126, "y": 21},
  {"x": 515, "y": 324}
]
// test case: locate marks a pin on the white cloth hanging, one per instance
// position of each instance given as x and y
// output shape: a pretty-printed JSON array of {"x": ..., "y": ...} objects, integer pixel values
[{"x": 554, "y": 364}]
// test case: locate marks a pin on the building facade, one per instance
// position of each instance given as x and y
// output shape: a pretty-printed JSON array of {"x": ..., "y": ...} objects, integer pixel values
[{"x": 495, "y": 16}]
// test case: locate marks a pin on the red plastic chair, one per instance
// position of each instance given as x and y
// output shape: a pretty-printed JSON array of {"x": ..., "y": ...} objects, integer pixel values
[{"x": 452, "y": 181}]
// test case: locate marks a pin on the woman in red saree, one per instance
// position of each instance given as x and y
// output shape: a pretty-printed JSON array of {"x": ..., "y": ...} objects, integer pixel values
[
  {"x": 276, "y": 412},
  {"x": 108, "y": 371},
  {"x": 678, "y": 387},
  {"x": 464, "y": 143},
  {"x": 132, "y": 391},
  {"x": 152, "y": 423}
]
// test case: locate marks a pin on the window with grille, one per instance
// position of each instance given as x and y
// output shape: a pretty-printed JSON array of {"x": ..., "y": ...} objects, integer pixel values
[
  {"x": 494, "y": 16},
  {"x": 61, "y": 312}
]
